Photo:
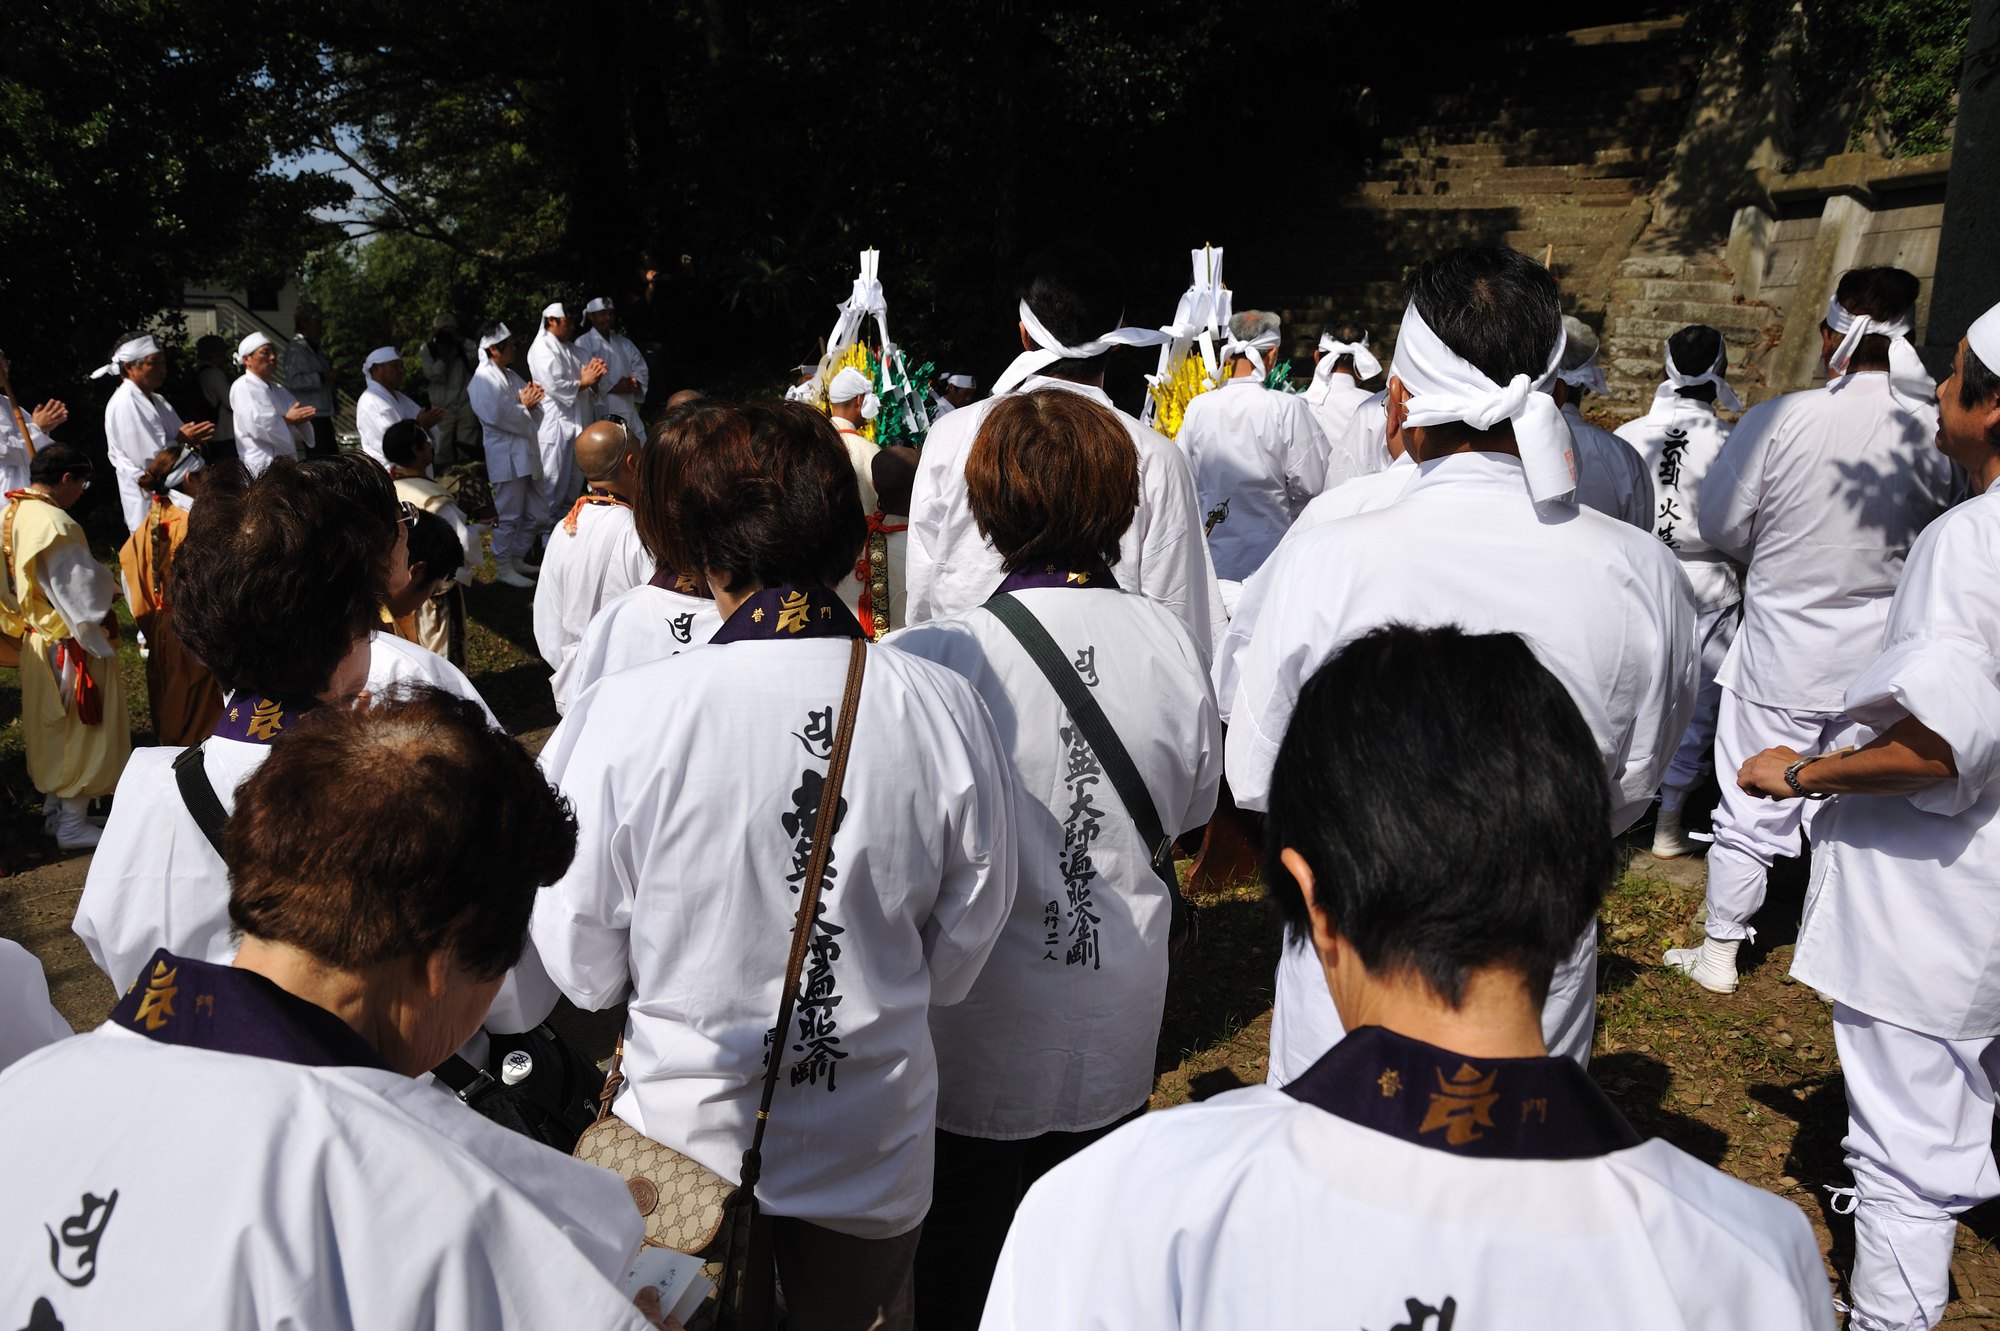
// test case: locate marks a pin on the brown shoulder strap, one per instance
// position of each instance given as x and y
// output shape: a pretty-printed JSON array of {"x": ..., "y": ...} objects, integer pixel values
[{"x": 829, "y": 805}]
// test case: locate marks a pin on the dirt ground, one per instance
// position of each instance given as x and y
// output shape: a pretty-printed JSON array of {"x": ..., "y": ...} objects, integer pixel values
[{"x": 1747, "y": 1082}]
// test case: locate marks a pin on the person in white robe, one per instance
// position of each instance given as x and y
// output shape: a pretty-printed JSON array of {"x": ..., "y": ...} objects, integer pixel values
[
  {"x": 382, "y": 403},
  {"x": 572, "y": 385},
  {"x": 1905, "y": 895},
  {"x": 1820, "y": 493},
  {"x": 270, "y": 422},
  {"x": 449, "y": 361},
  {"x": 595, "y": 554},
  {"x": 882, "y": 474},
  {"x": 16, "y": 447},
  {"x": 139, "y": 423},
  {"x": 1342, "y": 362},
  {"x": 628, "y": 377},
  {"x": 1366, "y": 443},
  {"x": 1257, "y": 454},
  {"x": 1610, "y": 477},
  {"x": 308, "y": 375},
  {"x": 671, "y": 610},
  {"x": 28, "y": 1020},
  {"x": 1055, "y": 1043},
  {"x": 1438, "y": 1167},
  {"x": 918, "y": 889},
  {"x": 510, "y": 415},
  {"x": 1072, "y": 292},
  {"x": 951, "y": 391},
  {"x": 1487, "y": 536},
  {"x": 251, "y": 1145},
  {"x": 1679, "y": 439}
]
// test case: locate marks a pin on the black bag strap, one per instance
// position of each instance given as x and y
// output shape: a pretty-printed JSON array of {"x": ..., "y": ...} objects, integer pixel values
[
  {"x": 191, "y": 775},
  {"x": 464, "y": 1079},
  {"x": 1103, "y": 740}
]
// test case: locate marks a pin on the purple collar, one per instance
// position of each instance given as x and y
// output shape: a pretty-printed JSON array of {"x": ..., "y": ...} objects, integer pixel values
[
  {"x": 204, "y": 1006},
  {"x": 254, "y": 719},
  {"x": 786, "y": 612},
  {"x": 1096, "y": 576},
  {"x": 1487, "y": 1108},
  {"x": 669, "y": 581}
]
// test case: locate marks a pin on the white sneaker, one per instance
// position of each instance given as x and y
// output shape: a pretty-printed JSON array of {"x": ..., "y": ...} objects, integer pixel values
[
  {"x": 1712, "y": 965},
  {"x": 1669, "y": 842},
  {"x": 74, "y": 830},
  {"x": 508, "y": 576}
]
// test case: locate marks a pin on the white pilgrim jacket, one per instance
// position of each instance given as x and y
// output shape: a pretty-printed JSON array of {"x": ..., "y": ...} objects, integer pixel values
[
  {"x": 1060, "y": 1030},
  {"x": 681, "y": 900},
  {"x": 645, "y": 624},
  {"x": 1821, "y": 493},
  {"x": 154, "y": 880},
  {"x": 1334, "y": 400},
  {"x": 263, "y": 435},
  {"x": 1367, "y": 440},
  {"x": 507, "y": 429},
  {"x": 1610, "y": 476},
  {"x": 1163, "y": 556},
  {"x": 1363, "y": 494},
  {"x": 581, "y": 573},
  {"x": 28, "y": 1020},
  {"x": 1904, "y": 909},
  {"x": 249, "y": 1193},
  {"x": 1602, "y": 604},
  {"x": 137, "y": 424},
  {"x": 1255, "y": 1209},
  {"x": 375, "y": 411},
  {"x": 624, "y": 359},
  {"x": 1262, "y": 453},
  {"x": 569, "y": 406},
  {"x": 14, "y": 449},
  {"x": 1679, "y": 440}
]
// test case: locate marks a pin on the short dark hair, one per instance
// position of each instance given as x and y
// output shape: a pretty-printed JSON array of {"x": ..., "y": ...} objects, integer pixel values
[
  {"x": 54, "y": 461},
  {"x": 1497, "y": 309},
  {"x": 1077, "y": 291},
  {"x": 1451, "y": 803},
  {"x": 436, "y": 546},
  {"x": 1884, "y": 294},
  {"x": 278, "y": 576},
  {"x": 1695, "y": 348},
  {"x": 356, "y": 476},
  {"x": 1052, "y": 478},
  {"x": 339, "y": 846},
  {"x": 1347, "y": 330},
  {"x": 401, "y": 441},
  {"x": 1977, "y": 383},
  {"x": 760, "y": 494}
]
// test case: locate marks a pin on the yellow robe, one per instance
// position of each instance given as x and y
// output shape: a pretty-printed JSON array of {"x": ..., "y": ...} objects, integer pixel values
[
  {"x": 66, "y": 758},
  {"x": 439, "y": 623},
  {"x": 186, "y": 700}
]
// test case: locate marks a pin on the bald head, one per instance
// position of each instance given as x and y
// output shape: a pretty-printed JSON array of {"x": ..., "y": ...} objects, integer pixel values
[
  {"x": 687, "y": 395},
  {"x": 604, "y": 455}
]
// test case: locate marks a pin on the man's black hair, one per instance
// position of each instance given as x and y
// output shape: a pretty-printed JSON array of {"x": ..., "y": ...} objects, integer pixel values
[
  {"x": 1695, "y": 348},
  {"x": 436, "y": 546},
  {"x": 1451, "y": 804},
  {"x": 1347, "y": 330},
  {"x": 1495, "y": 308},
  {"x": 1078, "y": 293},
  {"x": 54, "y": 461},
  {"x": 401, "y": 441},
  {"x": 1884, "y": 294},
  {"x": 1977, "y": 383}
]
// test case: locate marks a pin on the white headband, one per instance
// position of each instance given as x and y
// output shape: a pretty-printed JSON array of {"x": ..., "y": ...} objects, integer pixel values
[
  {"x": 1331, "y": 349},
  {"x": 1050, "y": 350},
  {"x": 849, "y": 384},
  {"x": 1252, "y": 351},
  {"x": 601, "y": 303},
  {"x": 1906, "y": 369},
  {"x": 129, "y": 353},
  {"x": 555, "y": 311},
  {"x": 1984, "y": 339},
  {"x": 1587, "y": 375},
  {"x": 250, "y": 344},
  {"x": 961, "y": 381},
  {"x": 1444, "y": 387},
  {"x": 380, "y": 356},
  {"x": 1725, "y": 396},
  {"x": 495, "y": 338}
]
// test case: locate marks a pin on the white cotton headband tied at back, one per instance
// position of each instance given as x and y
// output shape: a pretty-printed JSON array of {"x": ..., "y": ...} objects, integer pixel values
[
  {"x": 1725, "y": 396},
  {"x": 250, "y": 344},
  {"x": 380, "y": 356},
  {"x": 494, "y": 338},
  {"x": 1907, "y": 375},
  {"x": 1252, "y": 350},
  {"x": 1049, "y": 350},
  {"x": 1444, "y": 387},
  {"x": 128, "y": 353},
  {"x": 599, "y": 304},
  {"x": 1331, "y": 349}
]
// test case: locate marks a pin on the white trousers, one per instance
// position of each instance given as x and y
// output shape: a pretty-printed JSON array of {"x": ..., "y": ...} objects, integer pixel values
[
  {"x": 1751, "y": 831},
  {"x": 522, "y": 510},
  {"x": 1714, "y": 630},
  {"x": 1920, "y": 1145}
]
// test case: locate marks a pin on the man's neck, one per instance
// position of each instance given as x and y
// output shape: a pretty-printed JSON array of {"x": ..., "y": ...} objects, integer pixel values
[
  {"x": 45, "y": 491},
  {"x": 1495, "y": 1017},
  {"x": 1986, "y": 473},
  {"x": 1243, "y": 369}
]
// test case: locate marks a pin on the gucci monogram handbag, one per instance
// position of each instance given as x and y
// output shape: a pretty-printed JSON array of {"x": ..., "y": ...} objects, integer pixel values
[{"x": 689, "y": 1207}]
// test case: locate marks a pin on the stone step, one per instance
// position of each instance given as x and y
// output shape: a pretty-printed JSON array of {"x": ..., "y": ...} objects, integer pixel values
[
  {"x": 1720, "y": 314},
  {"x": 1668, "y": 288},
  {"x": 1628, "y": 330}
]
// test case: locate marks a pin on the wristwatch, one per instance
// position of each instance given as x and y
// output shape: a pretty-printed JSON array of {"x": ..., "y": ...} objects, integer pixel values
[{"x": 1792, "y": 778}]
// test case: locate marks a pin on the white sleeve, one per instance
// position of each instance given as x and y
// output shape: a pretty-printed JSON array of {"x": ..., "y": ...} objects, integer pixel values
[
  {"x": 1734, "y": 486},
  {"x": 1270, "y": 669},
  {"x": 977, "y": 894},
  {"x": 81, "y": 590},
  {"x": 582, "y": 925},
  {"x": 128, "y": 435},
  {"x": 1665, "y": 701},
  {"x": 1310, "y": 467},
  {"x": 554, "y": 377},
  {"x": 28, "y": 1020},
  {"x": 936, "y": 471},
  {"x": 1175, "y": 570}
]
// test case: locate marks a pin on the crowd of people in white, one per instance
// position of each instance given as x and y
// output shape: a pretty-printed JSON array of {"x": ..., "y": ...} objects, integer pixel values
[{"x": 1447, "y": 640}]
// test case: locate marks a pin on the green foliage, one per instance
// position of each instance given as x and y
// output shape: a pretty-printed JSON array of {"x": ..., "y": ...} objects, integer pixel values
[{"x": 1907, "y": 54}]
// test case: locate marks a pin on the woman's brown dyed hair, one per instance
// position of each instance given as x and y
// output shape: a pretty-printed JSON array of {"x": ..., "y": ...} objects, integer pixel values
[{"x": 1053, "y": 478}]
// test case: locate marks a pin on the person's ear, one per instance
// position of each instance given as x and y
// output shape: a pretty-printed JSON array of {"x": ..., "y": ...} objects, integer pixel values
[
  {"x": 1027, "y": 343},
  {"x": 432, "y": 972}
]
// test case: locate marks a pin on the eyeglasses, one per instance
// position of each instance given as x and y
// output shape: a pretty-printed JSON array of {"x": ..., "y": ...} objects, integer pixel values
[{"x": 407, "y": 513}]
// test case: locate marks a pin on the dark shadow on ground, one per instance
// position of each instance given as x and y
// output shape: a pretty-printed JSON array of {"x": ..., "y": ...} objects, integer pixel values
[
  {"x": 1221, "y": 982},
  {"x": 1638, "y": 1084}
]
